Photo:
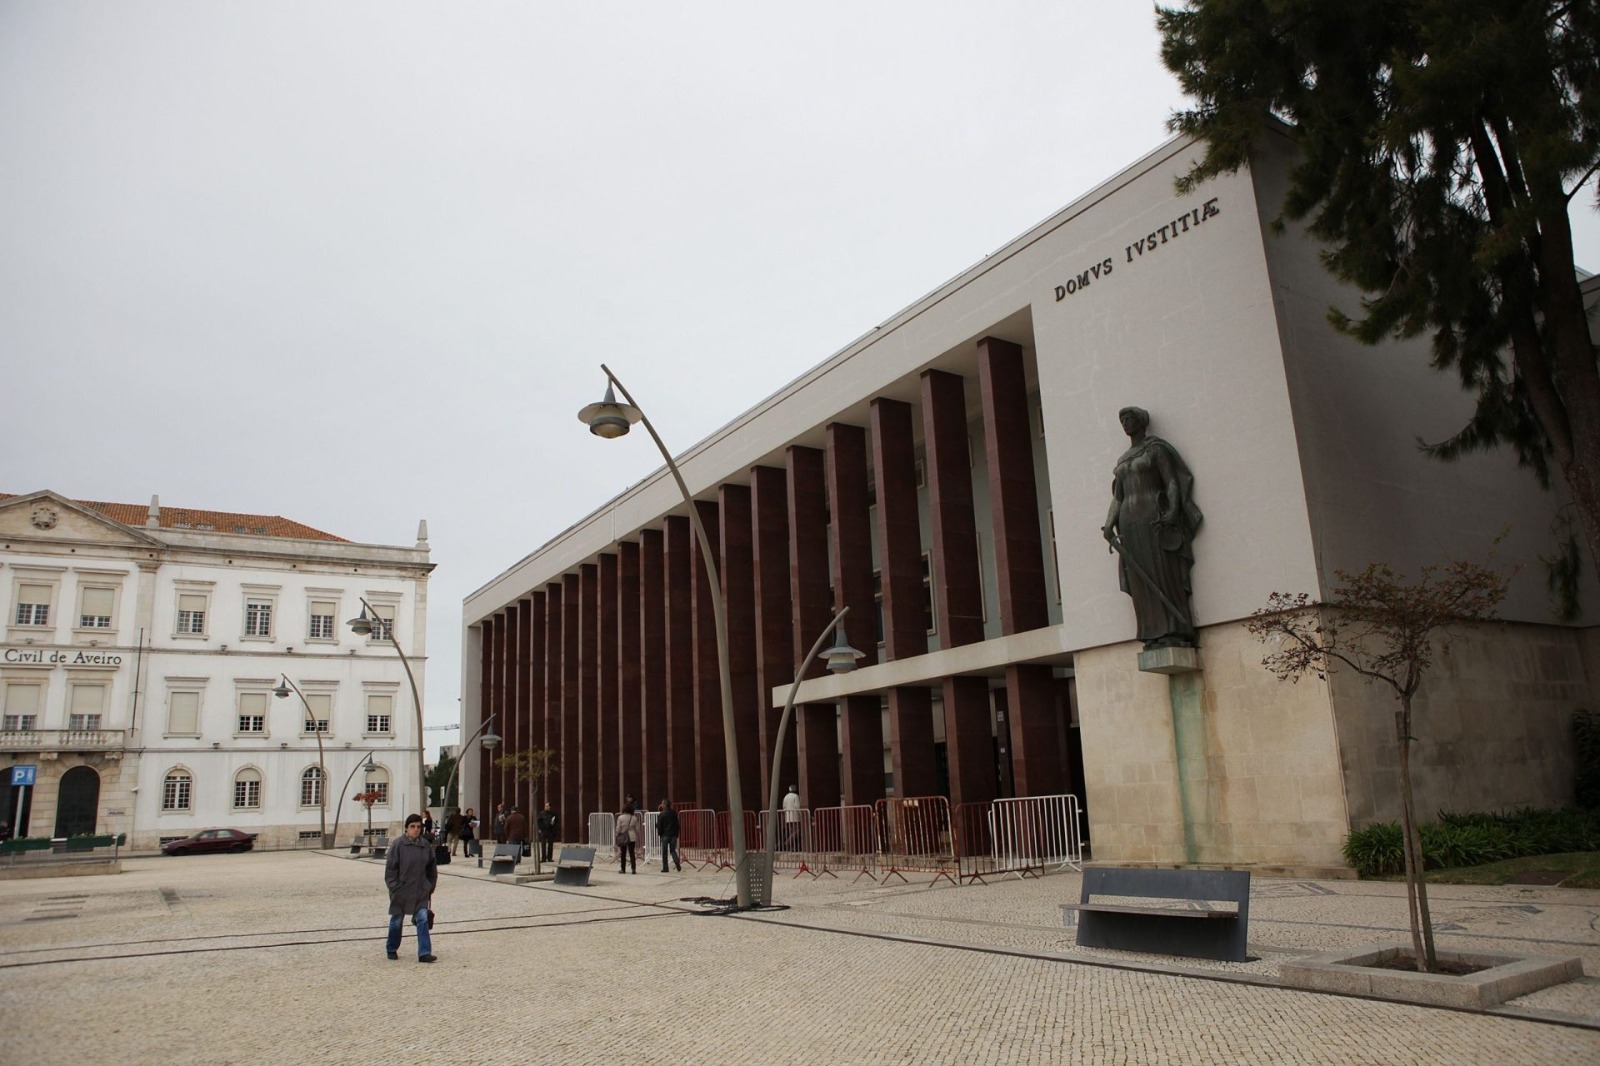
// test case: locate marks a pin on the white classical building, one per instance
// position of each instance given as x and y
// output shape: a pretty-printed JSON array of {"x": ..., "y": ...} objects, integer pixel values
[{"x": 142, "y": 649}]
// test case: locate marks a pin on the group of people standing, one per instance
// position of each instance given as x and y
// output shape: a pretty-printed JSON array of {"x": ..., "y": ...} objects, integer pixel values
[{"x": 631, "y": 830}]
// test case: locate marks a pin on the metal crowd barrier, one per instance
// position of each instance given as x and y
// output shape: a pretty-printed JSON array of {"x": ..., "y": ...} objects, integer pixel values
[
  {"x": 603, "y": 831},
  {"x": 793, "y": 838},
  {"x": 1018, "y": 837},
  {"x": 843, "y": 838},
  {"x": 697, "y": 837},
  {"x": 916, "y": 837}
]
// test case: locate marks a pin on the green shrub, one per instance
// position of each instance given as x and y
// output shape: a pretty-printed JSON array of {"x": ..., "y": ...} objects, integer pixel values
[{"x": 1376, "y": 851}]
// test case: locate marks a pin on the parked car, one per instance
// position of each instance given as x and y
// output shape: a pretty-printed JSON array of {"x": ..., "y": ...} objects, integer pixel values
[{"x": 210, "y": 840}]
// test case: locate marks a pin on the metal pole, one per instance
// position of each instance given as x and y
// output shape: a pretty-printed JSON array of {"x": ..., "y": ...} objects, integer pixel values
[
  {"x": 322, "y": 765},
  {"x": 777, "y": 752},
  {"x": 719, "y": 616},
  {"x": 416, "y": 701},
  {"x": 449, "y": 787},
  {"x": 338, "y": 811}
]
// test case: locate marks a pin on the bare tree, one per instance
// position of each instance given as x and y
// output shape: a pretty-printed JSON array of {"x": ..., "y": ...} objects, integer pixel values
[
  {"x": 1387, "y": 629},
  {"x": 532, "y": 765}
]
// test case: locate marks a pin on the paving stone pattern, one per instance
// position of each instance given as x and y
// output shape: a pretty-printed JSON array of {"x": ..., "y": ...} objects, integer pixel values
[{"x": 278, "y": 958}]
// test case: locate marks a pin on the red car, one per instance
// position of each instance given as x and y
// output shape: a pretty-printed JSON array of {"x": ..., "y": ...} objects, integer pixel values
[{"x": 210, "y": 840}]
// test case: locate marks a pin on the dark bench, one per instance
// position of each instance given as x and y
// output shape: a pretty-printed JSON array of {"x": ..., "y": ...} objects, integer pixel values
[
  {"x": 504, "y": 860},
  {"x": 357, "y": 842},
  {"x": 573, "y": 866},
  {"x": 378, "y": 845},
  {"x": 1185, "y": 921}
]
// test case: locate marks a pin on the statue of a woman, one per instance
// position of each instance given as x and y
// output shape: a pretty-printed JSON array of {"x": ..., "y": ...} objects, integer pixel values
[{"x": 1151, "y": 525}]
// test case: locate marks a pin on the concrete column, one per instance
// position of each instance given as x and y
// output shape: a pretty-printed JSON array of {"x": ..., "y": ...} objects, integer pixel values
[
  {"x": 653, "y": 665},
  {"x": 677, "y": 548},
  {"x": 488, "y": 684},
  {"x": 739, "y": 593},
  {"x": 769, "y": 504},
  {"x": 608, "y": 783},
  {"x": 905, "y": 598},
  {"x": 1035, "y": 721},
  {"x": 710, "y": 755},
  {"x": 630, "y": 742},
  {"x": 816, "y": 725},
  {"x": 860, "y": 717},
  {"x": 503, "y": 680}
]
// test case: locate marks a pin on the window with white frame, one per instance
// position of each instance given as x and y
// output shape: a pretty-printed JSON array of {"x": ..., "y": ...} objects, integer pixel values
[
  {"x": 380, "y": 713},
  {"x": 96, "y": 605},
  {"x": 311, "y": 787},
  {"x": 193, "y": 608},
  {"x": 257, "y": 617},
  {"x": 176, "y": 790},
  {"x": 379, "y": 782},
  {"x": 87, "y": 706},
  {"x": 183, "y": 712},
  {"x": 247, "y": 789},
  {"x": 323, "y": 615},
  {"x": 321, "y": 712},
  {"x": 33, "y": 604},
  {"x": 253, "y": 712},
  {"x": 23, "y": 700},
  {"x": 382, "y": 618}
]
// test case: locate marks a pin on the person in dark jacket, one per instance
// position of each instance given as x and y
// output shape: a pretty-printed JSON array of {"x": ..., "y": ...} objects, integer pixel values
[
  {"x": 548, "y": 823},
  {"x": 667, "y": 830},
  {"x": 411, "y": 873},
  {"x": 516, "y": 827},
  {"x": 469, "y": 834}
]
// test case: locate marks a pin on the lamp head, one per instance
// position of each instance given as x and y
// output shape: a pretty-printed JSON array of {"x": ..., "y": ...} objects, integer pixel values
[
  {"x": 282, "y": 691},
  {"x": 490, "y": 740},
  {"x": 361, "y": 626},
  {"x": 371, "y": 767},
  {"x": 609, "y": 418},
  {"x": 841, "y": 657}
]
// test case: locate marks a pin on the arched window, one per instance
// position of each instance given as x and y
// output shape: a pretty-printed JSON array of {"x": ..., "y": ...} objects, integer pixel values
[
  {"x": 378, "y": 781},
  {"x": 247, "y": 789},
  {"x": 176, "y": 790},
  {"x": 311, "y": 787}
]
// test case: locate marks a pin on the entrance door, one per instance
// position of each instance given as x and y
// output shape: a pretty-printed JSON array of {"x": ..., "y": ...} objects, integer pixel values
[{"x": 78, "y": 802}]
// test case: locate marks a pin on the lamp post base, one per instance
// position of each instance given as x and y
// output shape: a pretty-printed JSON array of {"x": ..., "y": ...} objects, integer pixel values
[{"x": 758, "y": 876}]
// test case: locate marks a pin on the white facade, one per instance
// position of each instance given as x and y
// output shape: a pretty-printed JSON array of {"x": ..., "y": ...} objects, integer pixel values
[{"x": 139, "y": 663}]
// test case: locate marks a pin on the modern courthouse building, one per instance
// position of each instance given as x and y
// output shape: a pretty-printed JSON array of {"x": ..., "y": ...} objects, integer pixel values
[
  {"x": 142, "y": 649},
  {"x": 948, "y": 476}
]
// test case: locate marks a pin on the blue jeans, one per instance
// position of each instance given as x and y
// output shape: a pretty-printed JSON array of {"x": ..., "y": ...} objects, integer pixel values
[
  {"x": 669, "y": 847},
  {"x": 420, "y": 920}
]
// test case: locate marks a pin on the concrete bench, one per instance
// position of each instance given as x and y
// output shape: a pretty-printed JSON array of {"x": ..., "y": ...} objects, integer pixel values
[
  {"x": 573, "y": 866},
  {"x": 1185, "y": 921},
  {"x": 378, "y": 846},
  {"x": 504, "y": 860}
]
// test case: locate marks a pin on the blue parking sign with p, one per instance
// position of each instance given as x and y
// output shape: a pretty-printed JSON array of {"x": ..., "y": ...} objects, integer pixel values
[{"x": 23, "y": 775}]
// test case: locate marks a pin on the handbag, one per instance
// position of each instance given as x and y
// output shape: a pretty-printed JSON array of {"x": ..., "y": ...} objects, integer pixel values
[{"x": 441, "y": 855}]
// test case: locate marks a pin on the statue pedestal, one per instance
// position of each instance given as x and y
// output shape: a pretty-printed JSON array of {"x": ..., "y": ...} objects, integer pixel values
[{"x": 1170, "y": 660}]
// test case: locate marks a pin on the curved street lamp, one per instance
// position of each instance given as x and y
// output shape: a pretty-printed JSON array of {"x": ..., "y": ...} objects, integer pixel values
[
  {"x": 363, "y": 626},
  {"x": 490, "y": 741},
  {"x": 841, "y": 659},
  {"x": 610, "y": 419},
  {"x": 282, "y": 692},
  {"x": 370, "y": 767}
]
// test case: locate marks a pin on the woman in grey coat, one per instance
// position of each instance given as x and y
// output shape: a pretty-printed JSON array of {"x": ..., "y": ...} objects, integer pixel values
[{"x": 411, "y": 872}]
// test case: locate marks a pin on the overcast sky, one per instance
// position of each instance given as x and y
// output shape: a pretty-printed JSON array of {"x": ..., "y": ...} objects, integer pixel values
[{"x": 356, "y": 264}]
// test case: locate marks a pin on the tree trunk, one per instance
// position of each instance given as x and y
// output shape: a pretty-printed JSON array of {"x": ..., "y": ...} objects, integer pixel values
[{"x": 1416, "y": 883}]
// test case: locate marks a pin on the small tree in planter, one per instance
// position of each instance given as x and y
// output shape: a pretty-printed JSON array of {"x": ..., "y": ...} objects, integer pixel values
[
  {"x": 1387, "y": 630},
  {"x": 532, "y": 765},
  {"x": 367, "y": 799}
]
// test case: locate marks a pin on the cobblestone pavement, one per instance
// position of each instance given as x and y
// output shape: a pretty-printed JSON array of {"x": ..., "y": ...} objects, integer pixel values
[{"x": 278, "y": 958}]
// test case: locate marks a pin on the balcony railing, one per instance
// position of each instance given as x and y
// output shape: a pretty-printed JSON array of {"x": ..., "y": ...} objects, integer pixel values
[{"x": 42, "y": 740}]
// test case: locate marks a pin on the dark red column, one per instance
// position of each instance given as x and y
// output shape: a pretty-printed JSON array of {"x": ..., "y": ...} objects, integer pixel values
[
  {"x": 553, "y": 699},
  {"x": 711, "y": 767},
  {"x": 630, "y": 736},
  {"x": 958, "y": 608},
  {"x": 489, "y": 703},
  {"x": 653, "y": 662},
  {"x": 608, "y": 783},
  {"x": 1019, "y": 563},
  {"x": 905, "y": 597},
  {"x": 677, "y": 549},
  {"x": 816, "y": 725},
  {"x": 537, "y": 658},
  {"x": 860, "y": 717},
  {"x": 514, "y": 668},
  {"x": 589, "y": 797},
  {"x": 769, "y": 505},
  {"x": 523, "y": 713},
  {"x": 500, "y": 778},
  {"x": 739, "y": 593},
  {"x": 573, "y": 816}
]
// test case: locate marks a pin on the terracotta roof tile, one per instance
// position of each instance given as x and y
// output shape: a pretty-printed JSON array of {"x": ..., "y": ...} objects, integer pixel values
[{"x": 134, "y": 514}]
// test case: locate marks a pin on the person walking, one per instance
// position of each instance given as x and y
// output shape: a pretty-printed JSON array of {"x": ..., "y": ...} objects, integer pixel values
[
  {"x": 469, "y": 834},
  {"x": 667, "y": 830},
  {"x": 548, "y": 823},
  {"x": 427, "y": 826},
  {"x": 629, "y": 829},
  {"x": 412, "y": 874},
  {"x": 499, "y": 823},
  {"x": 517, "y": 828},
  {"x": 791, "y": 818},
  {"x": 452, "y": 829}
]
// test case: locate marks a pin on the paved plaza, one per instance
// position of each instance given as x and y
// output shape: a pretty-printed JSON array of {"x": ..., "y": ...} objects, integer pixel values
[{"x": 278, "y": 958}]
